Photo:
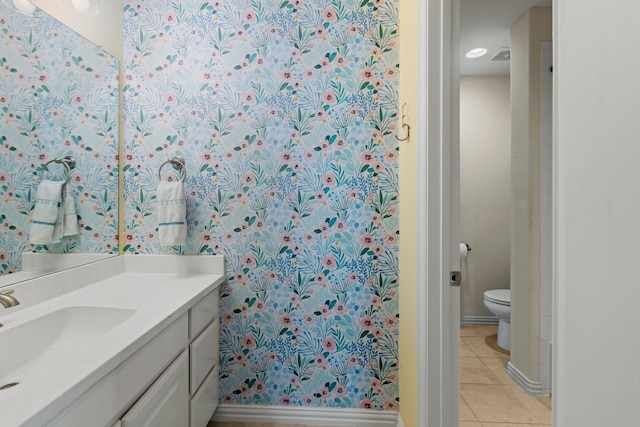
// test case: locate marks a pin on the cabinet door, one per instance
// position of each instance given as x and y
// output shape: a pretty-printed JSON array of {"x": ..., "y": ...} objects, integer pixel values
[{"x": 166, "y": 402}]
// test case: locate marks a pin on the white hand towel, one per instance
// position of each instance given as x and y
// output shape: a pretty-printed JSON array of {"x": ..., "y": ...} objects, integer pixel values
[
  {"x": 172, "y": 213},
  {"x": 47, "y": 212},
  {"x": 70, "y": 218}
]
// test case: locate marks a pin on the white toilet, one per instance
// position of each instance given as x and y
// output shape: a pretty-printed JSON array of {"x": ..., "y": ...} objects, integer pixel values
[{"x": 498, "y": 301}]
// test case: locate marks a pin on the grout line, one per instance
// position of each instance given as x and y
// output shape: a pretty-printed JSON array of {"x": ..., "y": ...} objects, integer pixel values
[{"x": 470, "y": 408}]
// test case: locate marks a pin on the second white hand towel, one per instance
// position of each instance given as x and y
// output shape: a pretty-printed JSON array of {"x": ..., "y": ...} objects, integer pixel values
[
  {"x": 70, "y": 219},
  {"x": 47, "y": 213},
  {"x": 172, "y": 213}
]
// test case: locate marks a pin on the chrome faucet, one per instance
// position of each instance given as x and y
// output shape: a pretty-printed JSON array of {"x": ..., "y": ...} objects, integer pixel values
[{"x": 7, "y": 300}]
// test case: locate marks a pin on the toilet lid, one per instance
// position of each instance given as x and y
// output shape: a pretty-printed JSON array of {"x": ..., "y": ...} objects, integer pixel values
[{"x": 499, "y": 296}]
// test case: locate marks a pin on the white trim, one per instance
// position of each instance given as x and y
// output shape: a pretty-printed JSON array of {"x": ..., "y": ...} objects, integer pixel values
[
  {"x": 558, "y": 333},
  {"x": 438, "y": 303},
  {"x": 532, "y": 388},
  {"x": 343, "y": 417},
  {"x": 400, "y": 423},
  {"x": 479, "y": 320}
]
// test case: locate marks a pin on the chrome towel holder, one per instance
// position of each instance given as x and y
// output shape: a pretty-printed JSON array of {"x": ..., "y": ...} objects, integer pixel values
[
  {"x": 69, "y": 162},
  {"x": 177, "y": 163}
]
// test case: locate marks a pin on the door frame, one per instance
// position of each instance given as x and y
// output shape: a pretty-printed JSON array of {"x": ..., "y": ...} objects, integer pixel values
[{"x": 438, "y": 214}]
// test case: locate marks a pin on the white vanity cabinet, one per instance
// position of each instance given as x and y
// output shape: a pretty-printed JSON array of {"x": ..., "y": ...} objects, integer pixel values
[
  {"x": 186, "y": 394},
  {"x": 123, "y": 342},
  {"x": 172, "y": 381}
]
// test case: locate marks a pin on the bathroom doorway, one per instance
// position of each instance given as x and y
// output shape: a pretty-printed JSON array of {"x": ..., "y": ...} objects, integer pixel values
[{"x": 489, "y": 373}]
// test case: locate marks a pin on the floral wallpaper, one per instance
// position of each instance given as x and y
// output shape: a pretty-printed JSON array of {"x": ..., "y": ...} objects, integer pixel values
[
  {"x": 58, "y": 97},
  {"x": 284, "y": 112}
]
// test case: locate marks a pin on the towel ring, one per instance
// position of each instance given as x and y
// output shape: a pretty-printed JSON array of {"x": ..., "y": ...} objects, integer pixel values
[
  {"x": 177, "y": 163},
  {"x": 68, "y": 162}
]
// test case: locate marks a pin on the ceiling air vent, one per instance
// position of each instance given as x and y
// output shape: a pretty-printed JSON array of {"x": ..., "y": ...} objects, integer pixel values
[{"x": 503, "y": 55}]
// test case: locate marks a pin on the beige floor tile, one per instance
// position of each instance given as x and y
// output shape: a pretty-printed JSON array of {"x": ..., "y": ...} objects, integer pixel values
[
  {"x": 485, "y": 330},
  {"x": 464, "y": 412},
  {"x": 540, "y": 407},
  {"x": 484, "y": 346},
  {"x": 465, "y": 351},
  {"x": 496, "y": 403},
  {"x": 474, "y": 371},
  {"x": 468, "y": 331},
  {"x": 498, "y": 365},
  {"x": 469, "y": 424}
]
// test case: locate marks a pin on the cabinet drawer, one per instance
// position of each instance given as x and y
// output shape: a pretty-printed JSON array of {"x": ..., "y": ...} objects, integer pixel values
[
  {"x": 203, "y": 312},
  {"x": 205, "y": 401},
  {"x": 203, "y": 354}
]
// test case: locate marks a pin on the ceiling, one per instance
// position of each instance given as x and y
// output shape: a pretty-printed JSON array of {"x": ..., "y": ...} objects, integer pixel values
[{"x": 487, "y": 23}]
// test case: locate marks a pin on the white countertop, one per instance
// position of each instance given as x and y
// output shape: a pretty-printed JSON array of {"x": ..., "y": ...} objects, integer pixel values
[{"x": 141, "y": 283}]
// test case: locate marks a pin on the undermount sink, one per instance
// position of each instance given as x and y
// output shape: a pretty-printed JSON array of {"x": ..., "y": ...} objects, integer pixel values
[{"x": 53, "y": 337}]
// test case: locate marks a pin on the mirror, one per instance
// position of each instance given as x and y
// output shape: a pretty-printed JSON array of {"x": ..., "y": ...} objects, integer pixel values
[{"x": 58, "y": 97}]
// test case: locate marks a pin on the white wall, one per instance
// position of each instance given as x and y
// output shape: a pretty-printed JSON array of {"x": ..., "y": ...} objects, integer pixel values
[
  {"x": 485, "y": 176},
  {"x": 597, "y": 88},
  {"x": 104, "y": 29}
]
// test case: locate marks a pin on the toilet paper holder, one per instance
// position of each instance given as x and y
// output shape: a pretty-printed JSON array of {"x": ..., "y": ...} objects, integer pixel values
[
  {"x": 463, "y": 249},
  {"x": 455, "y": 277}
]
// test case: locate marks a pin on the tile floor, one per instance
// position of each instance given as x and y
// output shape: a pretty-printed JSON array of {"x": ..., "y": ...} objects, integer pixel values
[{"x": 488, "y": 397}]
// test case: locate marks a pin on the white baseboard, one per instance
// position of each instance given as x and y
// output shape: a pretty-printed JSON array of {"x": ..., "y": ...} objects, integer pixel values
[
  {"x": 532, "y": 388},
  {"x": 343, "y": 417},
  {"x": 478, "y": 320}
]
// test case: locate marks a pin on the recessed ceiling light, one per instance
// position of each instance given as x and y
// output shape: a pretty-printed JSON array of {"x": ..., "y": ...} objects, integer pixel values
[
  {"x": 24, "y": 6},
  {"x": 476, "y": 53},
  {"x": 85, "y": 7},
  {"x": 81, "y": 6}
]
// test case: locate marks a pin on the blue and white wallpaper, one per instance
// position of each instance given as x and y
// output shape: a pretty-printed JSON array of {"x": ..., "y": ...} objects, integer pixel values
[
  {"x": 58, "y": 97},
  {"x": 285, "y": 113}
]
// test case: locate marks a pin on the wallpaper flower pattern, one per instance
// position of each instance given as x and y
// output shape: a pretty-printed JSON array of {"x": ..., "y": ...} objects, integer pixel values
[
  {"x": 58, "y": 97},
  {"x": 284, "y": 112}
]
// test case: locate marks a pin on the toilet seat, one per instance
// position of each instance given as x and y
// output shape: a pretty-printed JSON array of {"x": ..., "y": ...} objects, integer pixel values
[{"x": 499, "y": 296}]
